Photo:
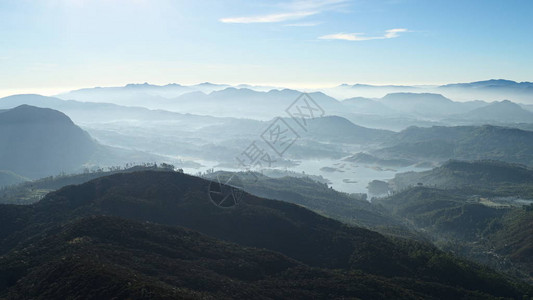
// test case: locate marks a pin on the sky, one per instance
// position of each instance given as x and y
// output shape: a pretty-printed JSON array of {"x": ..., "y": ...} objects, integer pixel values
[{"x": 48, "y": 46}]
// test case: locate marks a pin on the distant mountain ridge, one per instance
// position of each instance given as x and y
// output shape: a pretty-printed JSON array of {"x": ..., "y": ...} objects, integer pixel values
[
  {"x": 440, "y": 143},
  {"x": 485, "y": 174},
  {"x": 426, "y": 104},
  {"x": 492, "y": 83},
  {"x": 488, "y": 90},
  {"x": 223, "y": 100},
  {"x": 504, "y": 111}
]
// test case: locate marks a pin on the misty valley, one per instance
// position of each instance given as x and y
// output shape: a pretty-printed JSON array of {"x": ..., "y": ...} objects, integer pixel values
[
  {"x": 280, "y": 149},
  {"x": 425, "y": 196}
]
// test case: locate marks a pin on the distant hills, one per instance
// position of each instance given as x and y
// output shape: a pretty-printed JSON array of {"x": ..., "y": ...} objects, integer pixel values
[
  {"x": 504, "y": 111},
  {"x": 37, "y": 142},
  {"x": 424, "y": 102},
  {"x": 493, "y": 85},
  {"x": 93, "y": 112},
  {"x": 132, "y": 92},
  {"x": 489, "y": 90},
  {"x": 208, "y": 137},
  {"x": 340, "y": 130},
  {"x": 440, "y": 143},
  {"x": 485, "y": 175}
]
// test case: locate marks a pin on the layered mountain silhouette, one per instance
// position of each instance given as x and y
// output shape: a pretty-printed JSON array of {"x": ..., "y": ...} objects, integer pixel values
[
  {"x": 492, "y": 84},
  {"x": 93, "y": 112},
  {"x": 504, "y": 111},
  {"x": 490, "y": 90},
  {"x": 441, "y": 143},
  {"x": 484, "y": 174},
  {"x": 427, "y": 104}
]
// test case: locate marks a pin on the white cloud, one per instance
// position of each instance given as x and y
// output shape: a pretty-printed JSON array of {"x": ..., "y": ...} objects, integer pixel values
[
  {"x": 316, "y": 4},
  {"x": 392, "y": 33},
  {"x": 273, "y": 18},
  {"x": 389, "y": 34},
  {"x": 294, "y": 10}
]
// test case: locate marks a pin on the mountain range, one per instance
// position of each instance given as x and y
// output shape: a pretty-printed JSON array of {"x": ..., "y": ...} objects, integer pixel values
[
  {"x": 233, "y": 101},
  {"x": 489, "y": 90}
]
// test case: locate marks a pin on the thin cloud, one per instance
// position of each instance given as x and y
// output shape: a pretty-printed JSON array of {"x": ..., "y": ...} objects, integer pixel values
[
  {"x": 321, "y": 5},
  {"x": 392, "y": 33},
  {"x": 273, "y": 18},
  {"x": 295, "y": 10},
  {"x": 357, "y": 37}
]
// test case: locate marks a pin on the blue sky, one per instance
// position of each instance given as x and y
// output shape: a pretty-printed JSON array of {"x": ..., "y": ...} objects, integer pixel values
[{"x": 52, "y": 45}]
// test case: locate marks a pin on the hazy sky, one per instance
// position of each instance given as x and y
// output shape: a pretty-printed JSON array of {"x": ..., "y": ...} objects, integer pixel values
[{"x": 49, "y": 45}]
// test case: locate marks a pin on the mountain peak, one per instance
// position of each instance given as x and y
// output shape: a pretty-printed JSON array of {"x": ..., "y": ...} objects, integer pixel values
[
  {"x": 504, "y": 111},
  {"x": 32, "y": 114},
  {"x": 138, "y": 85}
]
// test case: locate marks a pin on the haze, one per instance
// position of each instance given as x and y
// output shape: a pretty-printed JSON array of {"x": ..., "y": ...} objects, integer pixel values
[{"x": 320, "y": 149}]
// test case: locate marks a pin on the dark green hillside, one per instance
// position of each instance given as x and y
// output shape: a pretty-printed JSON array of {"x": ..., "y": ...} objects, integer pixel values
[
  {"x": 449, "y": 213},
  {"x": 512, "y": 237},
  {"x": 180, "y": 200},
  {"x": 30, "y": 192},
  {"x": 105, "y": 257},
  {"x": 482, "y": 229},
  {"x": 353, "y": 209}
]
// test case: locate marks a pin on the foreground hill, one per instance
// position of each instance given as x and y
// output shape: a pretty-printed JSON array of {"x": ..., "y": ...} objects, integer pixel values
[
  {"x": 348, "y": 208},
  {"x": 105, "y": 257},
  {"x": 36, "y": 142},
  {"x": 180, "y": 200}
]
